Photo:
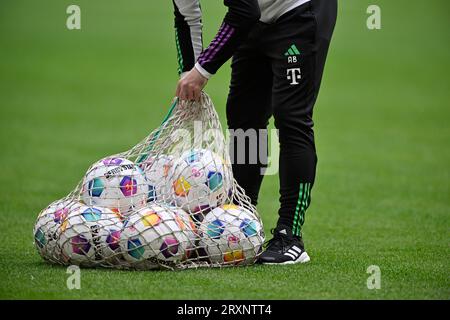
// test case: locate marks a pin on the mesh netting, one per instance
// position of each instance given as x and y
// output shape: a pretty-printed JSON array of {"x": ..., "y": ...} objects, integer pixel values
[{"x": 169, "y": 202}]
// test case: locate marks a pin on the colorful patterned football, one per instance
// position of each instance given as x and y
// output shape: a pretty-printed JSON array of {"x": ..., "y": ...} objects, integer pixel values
[
  {"x": 188, "y": 227},
  {"x": 154, "y": 235},
  {"x": 47, "y": 227},
  {"x": 117, "y": 184},
  {"x": 231, "y": 235},
  {"x": 200, "y": 181},
  {"x": 156, "y": 171},
  {"x": 89, "y": 235}
]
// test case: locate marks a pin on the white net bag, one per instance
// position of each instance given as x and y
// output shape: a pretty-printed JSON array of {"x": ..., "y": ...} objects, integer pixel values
[{"x": 169, "y": 202}]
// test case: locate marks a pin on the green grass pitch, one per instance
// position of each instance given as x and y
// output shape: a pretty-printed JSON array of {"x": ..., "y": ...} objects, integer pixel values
[{"x": 68, "y": 98}]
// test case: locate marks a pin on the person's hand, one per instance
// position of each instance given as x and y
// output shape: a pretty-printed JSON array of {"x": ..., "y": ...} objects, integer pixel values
[{"x": 191, "y": 86}]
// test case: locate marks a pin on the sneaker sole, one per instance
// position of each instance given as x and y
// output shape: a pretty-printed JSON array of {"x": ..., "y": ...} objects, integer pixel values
[{"x": 302, "y": 259}]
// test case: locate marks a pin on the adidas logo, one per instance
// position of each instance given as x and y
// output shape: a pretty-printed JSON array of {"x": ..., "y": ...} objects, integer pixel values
[
  {"x": 294, "y": 252},
  {"x": 283, "y": 231},
  {"x": 292, "y": 51}
]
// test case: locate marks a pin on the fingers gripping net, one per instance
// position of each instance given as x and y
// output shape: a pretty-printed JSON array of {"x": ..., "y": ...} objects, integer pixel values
[{"x": 169, "y": 202}]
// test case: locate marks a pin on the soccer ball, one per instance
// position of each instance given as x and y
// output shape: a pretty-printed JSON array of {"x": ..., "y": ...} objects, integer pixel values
[
  {"x": 188, "y": 227},
  {"x": 154, "y": 236},
  {"x": 156, "y": 170},
  {"x": 47, "y": 227},
  {"x": 90, "y": 235},
  {"x": 117, "y": 184},
  {"x": 200, "y": 181},
  {"x": 231, "y": 235}
]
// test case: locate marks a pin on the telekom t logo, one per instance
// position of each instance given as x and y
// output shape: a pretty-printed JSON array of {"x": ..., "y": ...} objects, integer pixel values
[{"x": 294, "y": 75}]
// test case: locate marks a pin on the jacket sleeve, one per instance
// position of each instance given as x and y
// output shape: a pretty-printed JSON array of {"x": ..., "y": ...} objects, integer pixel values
[
  {"x": 241, "y": 16},
  {"x": 188, "y": 33}
]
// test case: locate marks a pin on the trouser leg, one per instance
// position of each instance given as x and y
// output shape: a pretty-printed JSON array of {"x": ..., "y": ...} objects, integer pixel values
[
  {"x": 298, "y": 47},
  {"x": 248, "y": 113}
]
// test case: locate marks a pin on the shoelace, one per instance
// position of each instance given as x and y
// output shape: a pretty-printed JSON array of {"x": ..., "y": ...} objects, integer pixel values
[{"x": 277, "y": 242}]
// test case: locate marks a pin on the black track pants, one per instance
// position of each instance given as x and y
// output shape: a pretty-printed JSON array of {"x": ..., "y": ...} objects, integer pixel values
[{"x": 277, "y": 72}]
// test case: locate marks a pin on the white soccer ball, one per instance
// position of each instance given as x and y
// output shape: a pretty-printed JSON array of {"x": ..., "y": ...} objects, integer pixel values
[
  {"x": 153, "y": 236},
  {"x": 200, "y": 181},
  {"x": 47, "y": 227},
  {"x": 156, "y": 170},
  {"x": 188, "y": 227},
  {"x": 90, "y": 235},
  {"x": 231, "y": 235},
  {"x": 117, "y": 184}
]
